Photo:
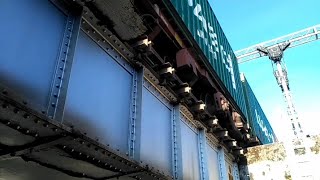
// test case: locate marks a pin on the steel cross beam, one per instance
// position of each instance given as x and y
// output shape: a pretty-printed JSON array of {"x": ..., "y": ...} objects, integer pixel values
[{"x": 295, "y": 39}]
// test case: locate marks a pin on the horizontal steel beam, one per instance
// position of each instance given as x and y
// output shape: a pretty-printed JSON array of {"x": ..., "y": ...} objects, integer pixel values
[{"x": 295, "y": 39}]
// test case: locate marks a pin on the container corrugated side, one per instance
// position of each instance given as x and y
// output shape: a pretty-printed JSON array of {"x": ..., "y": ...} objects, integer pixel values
[
  {"x": 200, "y": 21},
  {"x": 256, "y": 117}
]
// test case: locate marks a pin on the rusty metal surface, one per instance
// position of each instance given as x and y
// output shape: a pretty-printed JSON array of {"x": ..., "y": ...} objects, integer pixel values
[{"x": 125, "y": 21}]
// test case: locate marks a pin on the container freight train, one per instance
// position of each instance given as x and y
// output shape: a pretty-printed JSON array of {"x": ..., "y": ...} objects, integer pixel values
[
  {"x": 258, "y": 121},
  {"x": 118, "y": 89}
]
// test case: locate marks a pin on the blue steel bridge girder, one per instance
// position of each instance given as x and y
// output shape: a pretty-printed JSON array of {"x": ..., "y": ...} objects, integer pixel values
[{"x": 49, "y": 131}]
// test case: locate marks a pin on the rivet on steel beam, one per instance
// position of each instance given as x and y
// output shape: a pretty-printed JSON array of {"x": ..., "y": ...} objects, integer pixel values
[
  {"x": 88, "y": 157},
  {"x": 93, "y": 159},
  {"x": 4, "y": 106},
  {"x": 8, "y": 123},
  {"x": 80, "y": 153},
  {"x": 64, "y": 147},
  {"x": 53, "y": 104},
  {"x": 36, "y": 121},
  {"x": 45, "y": 125},
  {"x": 106, "y": 164},
  {"x": 27, "y": 131},
  {"x": 72, "y": 150},
  {"x": 18, "y": 127},
  {"x": 16, "y": 111}
]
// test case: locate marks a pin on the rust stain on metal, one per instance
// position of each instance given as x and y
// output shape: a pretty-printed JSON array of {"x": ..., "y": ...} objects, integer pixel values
[{"x": 126, "y": 22}]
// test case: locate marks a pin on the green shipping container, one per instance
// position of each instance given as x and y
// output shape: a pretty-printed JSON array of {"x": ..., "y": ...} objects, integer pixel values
[
  {"x": 200, "y": 24},
  {"x": 258, "y": 121}
]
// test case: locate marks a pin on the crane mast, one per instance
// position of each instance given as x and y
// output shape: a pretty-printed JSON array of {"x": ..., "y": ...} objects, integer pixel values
[
  {"x": 274, "y": 49},
  {"x": 275, "y": 54}
]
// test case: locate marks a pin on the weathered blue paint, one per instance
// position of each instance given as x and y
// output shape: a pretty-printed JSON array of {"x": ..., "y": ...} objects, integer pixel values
[
  {"x": 29, "y": 54},
  {"x": 93, "y": 105},
  {"x": 105, "y": 98},
  {"x": 190, "y": 151},
  {"x": 176, "y": 144},
  {"x": 213, "y": 165},
  {"x": 155, "y": 140}
]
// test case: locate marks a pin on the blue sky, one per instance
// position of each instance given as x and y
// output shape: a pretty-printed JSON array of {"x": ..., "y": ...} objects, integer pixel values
[{"x": 249, "y": 22}]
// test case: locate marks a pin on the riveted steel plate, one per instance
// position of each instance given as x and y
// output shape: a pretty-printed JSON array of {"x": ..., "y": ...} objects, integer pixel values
[
  {"x": 99, "y": 95},
  {"x": 31, "y": 39},
  {"x": 213, "y": 165},
  {"x": 155, "y": 131},
  {"x": 48, "y": 143},
  {"x": 190, "y": 152}
]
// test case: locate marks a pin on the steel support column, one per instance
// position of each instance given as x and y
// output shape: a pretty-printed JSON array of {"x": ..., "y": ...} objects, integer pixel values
[
  {"x": 176, "y": 144},
  {"x": 222, "y": 164},
  {"x": 63, "y": 69},
  {"x": 135, "y": 115},
  {"x": 236, "y": 174},
  {"x": 203, "y": 155}
]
